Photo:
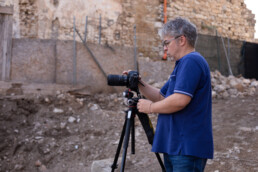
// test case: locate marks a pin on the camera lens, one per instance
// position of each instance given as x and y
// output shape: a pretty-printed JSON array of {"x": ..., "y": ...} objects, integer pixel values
[{"x": 117, "y": 80}]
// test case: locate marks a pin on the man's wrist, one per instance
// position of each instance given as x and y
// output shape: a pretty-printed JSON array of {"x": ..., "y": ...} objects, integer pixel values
[{"x": 150, "y": 107}]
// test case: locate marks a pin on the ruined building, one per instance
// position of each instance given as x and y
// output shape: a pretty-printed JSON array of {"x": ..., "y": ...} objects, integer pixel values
[{"x": 48, "y": 19}]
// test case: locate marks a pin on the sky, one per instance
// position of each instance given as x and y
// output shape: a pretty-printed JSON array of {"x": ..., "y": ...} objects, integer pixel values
[{"x": 253, "y": 6}]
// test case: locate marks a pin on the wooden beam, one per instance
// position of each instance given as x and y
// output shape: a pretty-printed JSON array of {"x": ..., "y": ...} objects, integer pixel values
[
  {"x": 6, "y": 10},
  {"x": 6, "y": 45}
]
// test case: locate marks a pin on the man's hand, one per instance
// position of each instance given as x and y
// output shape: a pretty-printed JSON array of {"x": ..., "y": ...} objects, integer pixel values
[
  {"x": 144, "y": 106},
  {"x": 126, "y": 72}
]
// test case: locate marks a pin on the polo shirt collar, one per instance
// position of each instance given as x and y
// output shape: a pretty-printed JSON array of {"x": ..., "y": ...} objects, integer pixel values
[{"x": 184, "y": 57}]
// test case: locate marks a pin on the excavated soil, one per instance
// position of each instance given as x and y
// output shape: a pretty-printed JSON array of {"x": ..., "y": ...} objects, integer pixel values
[{"x": 65, "y": 133}]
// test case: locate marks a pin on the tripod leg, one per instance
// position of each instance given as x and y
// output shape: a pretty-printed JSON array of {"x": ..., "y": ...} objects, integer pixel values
[
  {"x": 149, "y": 131},
  {"x": 160, "y": 162},
  {"x": 147, "y": 126},
  {"x": 132, "y": 136},
  {"x": 127, "y": 135},
  {"x": 114, "y": 165}
]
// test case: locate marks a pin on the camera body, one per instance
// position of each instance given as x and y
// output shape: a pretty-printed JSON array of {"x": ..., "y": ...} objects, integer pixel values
[{"x": 130, "y": 81}]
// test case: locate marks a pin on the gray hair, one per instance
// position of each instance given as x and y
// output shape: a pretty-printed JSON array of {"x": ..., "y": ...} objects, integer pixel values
[{"x": 180, "y": 26}]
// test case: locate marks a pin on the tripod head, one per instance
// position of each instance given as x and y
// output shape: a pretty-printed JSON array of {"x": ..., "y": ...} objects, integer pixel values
[{"x": 132, "y": 101}]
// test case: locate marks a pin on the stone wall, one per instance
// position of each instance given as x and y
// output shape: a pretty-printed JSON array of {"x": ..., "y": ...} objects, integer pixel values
[
  {"x": 230, "y": 17},
  {"x": 28, "y": 18},
  {"x": 50, "y": 61},
  {"x": 48, "y": 19}
]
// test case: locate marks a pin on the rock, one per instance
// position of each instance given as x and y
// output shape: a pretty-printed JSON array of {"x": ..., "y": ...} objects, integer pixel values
[
  {"x": 232, "y": 82},
  {"x": 47, "y": 100},
  {"x": 219, "y": 88},
  {"x": 225, "y": 94},
  {"x": 158, "y": 24},
  {"x": 38, "y": 163},
  {"x": 112, "y": 98},
  {"x": 102, "y": 165},
  {"x": 80, "y": 101},
  {"x": 18, "y": 167},
  {"x": 254, "y": 84},
  {"x": 213, "y": 81},
  {"x": 61, "y": 96},
  {"x": 151, "y": 81},
  {"x": 46, "y": 151},
  {"x": 57, "y": 110},
  {"x": 251, "y": 113},
  {"x": 232, "y": 91},
  {"x": 251, "y": 91},
  {"x": 239, "y": 87},
  {"x": 43, "y": 168},
  {"x": 247, "y": 129},
  {"x": 38, "y": 137},
  {"x": 246, "y": 81},
  {"x": 94, "y": 107},
  {"x": 214, "y": 94},
  {"x": 62, "y": 125},
  {"x": 71, "y": 119}
]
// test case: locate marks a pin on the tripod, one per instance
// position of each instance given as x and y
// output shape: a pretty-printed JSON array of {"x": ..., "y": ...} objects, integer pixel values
[{"x": 129, "y": 125}]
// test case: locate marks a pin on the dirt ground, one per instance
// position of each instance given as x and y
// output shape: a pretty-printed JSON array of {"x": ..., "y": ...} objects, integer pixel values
[{"x": 66, "y": 133}]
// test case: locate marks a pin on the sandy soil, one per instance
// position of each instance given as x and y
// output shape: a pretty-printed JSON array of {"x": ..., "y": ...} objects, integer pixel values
[{"x": 66, "y": 133}]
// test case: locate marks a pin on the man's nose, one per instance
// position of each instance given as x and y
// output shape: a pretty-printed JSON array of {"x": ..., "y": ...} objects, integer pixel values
[{"x": 165, "y": 48}]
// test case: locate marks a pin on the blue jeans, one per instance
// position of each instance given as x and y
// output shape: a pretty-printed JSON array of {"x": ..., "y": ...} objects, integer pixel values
[{"x": 184, "y": 163}]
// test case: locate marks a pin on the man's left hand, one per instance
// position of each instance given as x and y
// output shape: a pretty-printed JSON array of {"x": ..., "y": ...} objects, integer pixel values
[{"x": 144, "y": 106}]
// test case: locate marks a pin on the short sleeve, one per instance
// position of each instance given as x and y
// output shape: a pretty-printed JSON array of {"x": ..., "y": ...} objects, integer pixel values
[
  {"x": 188, "y": 77},
  {"x": 164, "y": 89}
]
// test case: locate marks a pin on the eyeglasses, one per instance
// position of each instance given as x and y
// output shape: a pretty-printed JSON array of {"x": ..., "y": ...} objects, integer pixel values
[{"x": 167, "y": 42}]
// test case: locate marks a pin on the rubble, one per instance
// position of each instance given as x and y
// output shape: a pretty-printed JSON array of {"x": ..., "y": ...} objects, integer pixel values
[{"x": 225, "y": 87}]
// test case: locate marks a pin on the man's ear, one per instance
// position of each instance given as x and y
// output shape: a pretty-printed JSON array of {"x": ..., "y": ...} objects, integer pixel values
[{"x": 183, "y": 40}]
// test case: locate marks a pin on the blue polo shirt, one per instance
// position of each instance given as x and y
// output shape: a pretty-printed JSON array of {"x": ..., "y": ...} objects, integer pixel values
[{"x": 189, "y": 131}]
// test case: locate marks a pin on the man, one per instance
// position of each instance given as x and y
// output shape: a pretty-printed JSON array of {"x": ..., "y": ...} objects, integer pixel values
[{"x": 184, "y": 128}]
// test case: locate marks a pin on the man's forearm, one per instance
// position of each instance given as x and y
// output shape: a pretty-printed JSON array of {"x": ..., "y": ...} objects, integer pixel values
[
  {"x": 150, "y": 92},
  {"x": 171, "y": 104}
]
